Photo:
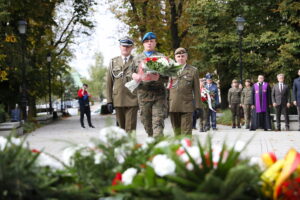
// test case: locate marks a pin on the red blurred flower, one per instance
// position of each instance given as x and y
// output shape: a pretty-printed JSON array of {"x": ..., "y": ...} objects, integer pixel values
[
  {"x": 117, "y": 179},
  {"x": 203, "y": 99},
  {"x": 154, "y": 59},
  {"x": 35, "y": 151},
  {"x": 148, "y": 59},
  {"x": 290, "y": 189}
]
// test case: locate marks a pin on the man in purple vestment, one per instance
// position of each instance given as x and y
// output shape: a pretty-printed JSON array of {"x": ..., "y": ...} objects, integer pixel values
[{"x": 261, "y": 102}]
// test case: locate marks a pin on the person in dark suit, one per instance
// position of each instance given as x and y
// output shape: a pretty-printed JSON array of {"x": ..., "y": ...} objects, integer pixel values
[
  {"x": 84, "y": 103},
  {"x": 296, "y": 93},
  {"x": 281, "y": 101}
]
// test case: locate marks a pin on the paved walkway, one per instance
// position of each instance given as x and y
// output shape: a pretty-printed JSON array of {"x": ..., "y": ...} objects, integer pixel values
[{"x": 53, "y": 138}]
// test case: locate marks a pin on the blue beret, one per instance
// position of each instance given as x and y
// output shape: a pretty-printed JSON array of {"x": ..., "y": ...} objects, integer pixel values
[
  {"x": 208, "y": 76},
  {"x": 126, "y": 41},
  {"x": 149, "y": 36}
]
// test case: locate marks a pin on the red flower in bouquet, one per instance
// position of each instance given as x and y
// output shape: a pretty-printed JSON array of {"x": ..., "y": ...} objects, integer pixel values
[
  {"x": 203, "y": 99},
  {"x": 148, "y": 59},
  {"x": 117, "y": 179},
  {"x": 154, "y": 59}
]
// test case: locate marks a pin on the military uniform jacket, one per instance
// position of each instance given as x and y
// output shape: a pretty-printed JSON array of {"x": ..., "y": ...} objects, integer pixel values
[
  {"x": 152, "y": 90},
  {"x": 118, "y": 75},
  {"x": 246, "y": 96},
  {"x": 185, "y": 95},
  {"x": 234, "y": 95}
]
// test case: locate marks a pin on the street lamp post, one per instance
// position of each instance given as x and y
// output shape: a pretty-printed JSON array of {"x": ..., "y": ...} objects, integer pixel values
[
  {"x": 49, "y": 81},
  {"x": 22, "y": 28},
  {"x": 240, "y": 21}
]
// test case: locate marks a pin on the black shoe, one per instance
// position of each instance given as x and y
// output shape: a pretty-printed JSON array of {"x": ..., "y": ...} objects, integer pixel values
[
  {"x": 233, "y": 127},
  {"x": 278, "y": 129},
  {"x": 239, "y": 127},
  {"x": 265, "y": 129},
  {"x": 91, "y": 126},
  {"x": 201, "y": 130},
  {"x": 215, "y": 129},
  {"x": 247, "y": 127},
  {"x": 82, "y": 126}
]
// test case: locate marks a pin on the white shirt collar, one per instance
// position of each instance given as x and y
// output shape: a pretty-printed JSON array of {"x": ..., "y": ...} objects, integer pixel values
[{"x": 127, "y": 58}]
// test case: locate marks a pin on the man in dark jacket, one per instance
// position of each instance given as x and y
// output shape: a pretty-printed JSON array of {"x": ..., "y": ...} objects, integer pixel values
[
  {"x": 296, "y": 93},
  {"x": 84, "y": 103},
  {"x": 281, "y": 101}
]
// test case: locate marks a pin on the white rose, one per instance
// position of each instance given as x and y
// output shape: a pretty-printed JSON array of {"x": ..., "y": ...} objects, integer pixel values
[
  {"x": 3, "y": 143},
  {"x": 68, "y": 154},
  {"x": 99, "y": 157},
  {"x": 148, "y": 141},
  {"x": 111, "y": 133},
  {"x": 128, "y": 176},
  {"x": 163, "y": 61},
  {"x": 46, "y": 160},
  {"x": 163, "y": 165},
  {"x": 120, "y": 155},
  {"x": 162, "y": 144}
]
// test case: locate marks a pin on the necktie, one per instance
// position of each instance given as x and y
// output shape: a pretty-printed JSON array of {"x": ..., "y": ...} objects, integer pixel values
[
  {"x": 125, "y": 60},
  {"x": 281, "y": 87}
]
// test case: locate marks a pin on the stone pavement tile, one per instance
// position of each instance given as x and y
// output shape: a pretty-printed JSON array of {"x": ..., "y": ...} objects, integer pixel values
[{"x": 54, "y": 137}]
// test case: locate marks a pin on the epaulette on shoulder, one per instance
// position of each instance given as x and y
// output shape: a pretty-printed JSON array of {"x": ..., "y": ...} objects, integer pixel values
[{"x": 115, "y": 58}]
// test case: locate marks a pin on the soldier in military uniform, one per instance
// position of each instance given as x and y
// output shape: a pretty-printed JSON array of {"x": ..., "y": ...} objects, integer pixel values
[
  {"x": 152, "y": 95},
  {"x": 119, "y": 73},
  {"x": 184, "y": 91},
  {"x": 234, "y": 100},
  {"x": 246, "y": 101}
]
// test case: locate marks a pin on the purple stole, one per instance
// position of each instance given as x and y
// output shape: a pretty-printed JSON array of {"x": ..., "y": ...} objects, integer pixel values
[{"x": 261, "y": 108}]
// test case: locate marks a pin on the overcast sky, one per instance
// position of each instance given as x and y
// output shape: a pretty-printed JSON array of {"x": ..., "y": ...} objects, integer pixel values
[{"x": 105, "y": 39}]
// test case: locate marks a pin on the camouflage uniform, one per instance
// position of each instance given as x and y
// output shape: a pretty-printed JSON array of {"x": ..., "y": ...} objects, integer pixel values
[
  {"x": 234, "y": 100},
  {"x": 246, "y": 102},
  {"x": 152, "y": 98},
  {"x": 125, "y": 103}
]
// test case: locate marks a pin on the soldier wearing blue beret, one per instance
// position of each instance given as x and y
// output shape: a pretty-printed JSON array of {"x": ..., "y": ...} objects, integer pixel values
[{"x": 152, "y": 95}]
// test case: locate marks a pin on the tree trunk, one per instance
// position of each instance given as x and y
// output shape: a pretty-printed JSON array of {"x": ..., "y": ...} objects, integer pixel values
[
  {"x": 32, "y": 107},
  {"x": 176, "y": 40}
]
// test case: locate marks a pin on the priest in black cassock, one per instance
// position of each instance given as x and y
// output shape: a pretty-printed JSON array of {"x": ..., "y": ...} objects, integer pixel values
[{"x": 261, "y": 104}]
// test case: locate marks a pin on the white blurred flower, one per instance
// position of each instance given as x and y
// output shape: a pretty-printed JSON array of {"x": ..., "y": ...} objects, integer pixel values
[
  {"x": 99, "y": 157},
  {"x": 128, "y": 176},
  {"x": 120, "y": 155},
  {"x": 46, "y": 160},
  {"x": 190, "y": 166},
  {"x": 195, "y": 154},
  {"x": 217, "y": 149},
  {"x": 3, "y": 143},
  {"x": 111, "y": 133},
  {"x": 163, "y": 61},
  {"x": 15, "y": 141},
  {"x": 163, "y": 165},
  {"x": 68, "y": 154},
  {"x": 148, "y": 141},
  {"x": 162, "y": 144},
  {"x": 257, "y": 161},
  {"x": 239, "y": 146},
  {"x": 186, "y": 142}
]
